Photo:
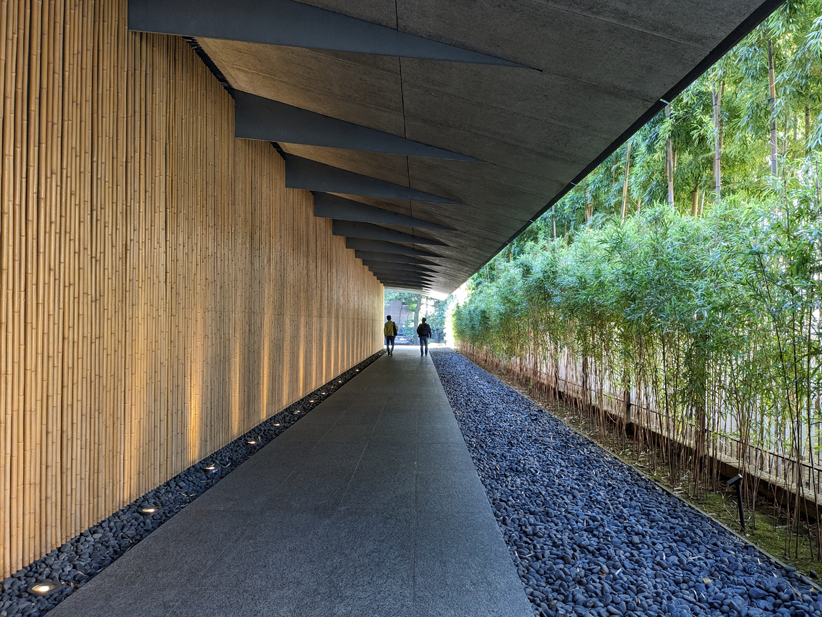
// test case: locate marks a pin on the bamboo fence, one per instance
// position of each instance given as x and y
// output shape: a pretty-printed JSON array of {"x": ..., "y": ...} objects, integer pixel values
[
  {"x": 161, "y": 291},
  {"x": 771, "y": 461}
]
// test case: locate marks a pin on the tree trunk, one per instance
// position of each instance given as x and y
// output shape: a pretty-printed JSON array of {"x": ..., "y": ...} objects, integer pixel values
[
  {"x": 554, "y": 219},
  {"x": 589, "y": 206},
  {"x": 695, "y": 201},
  {"x": 625, "y": 184},
  {"x": 807, "y": 130},
  {"x": 716, "y": 96},
  {"x": 669, "y": 162},
  {"x": 772, "y": 103}
]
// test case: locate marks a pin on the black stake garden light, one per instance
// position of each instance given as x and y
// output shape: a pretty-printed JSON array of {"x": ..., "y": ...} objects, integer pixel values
[{"x": 737, "y": 480}]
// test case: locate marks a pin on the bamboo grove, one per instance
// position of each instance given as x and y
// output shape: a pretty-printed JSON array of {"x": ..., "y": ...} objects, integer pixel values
[{"x": 677, "y": 289}]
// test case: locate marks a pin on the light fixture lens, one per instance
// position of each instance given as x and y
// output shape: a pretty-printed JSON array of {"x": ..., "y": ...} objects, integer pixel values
[
  {"x": 149, "y": 510},
  {"x": 252, "y": 442},
  {"x": 311, "y": 401},
  {"x": 211, "y": 468},
  {"x": 43, "y": 587},
  {"x": 276, "y": 424}
]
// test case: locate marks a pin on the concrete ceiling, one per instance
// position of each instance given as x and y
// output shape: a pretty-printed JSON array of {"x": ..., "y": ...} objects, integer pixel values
[{"x": 578, "y": 77}]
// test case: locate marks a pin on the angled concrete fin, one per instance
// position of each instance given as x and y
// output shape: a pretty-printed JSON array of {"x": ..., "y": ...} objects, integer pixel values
[
  {"x": 390, "y": 257},
  {"x": 395, "y": 266},
  {"x": 386, "y": 247},
  {"x": 286, "y": 22},
  {"x": 404, "y": 286},
  {"x": 392, "y": 282},
  {"x": 266, "y": 120},
  {"x": 367, "y": 231},
  {"x": 332, "y": 207},
  {"x": 306, "y": 174},
  {"x": 401, "y": 274}
]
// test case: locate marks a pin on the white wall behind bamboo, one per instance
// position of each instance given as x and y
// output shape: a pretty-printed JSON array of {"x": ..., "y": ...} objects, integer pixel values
[{"x": 161, "y": 291}]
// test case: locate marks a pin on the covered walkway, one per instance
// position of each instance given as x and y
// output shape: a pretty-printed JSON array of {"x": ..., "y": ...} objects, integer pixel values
[{"x": 370, "y": 505}]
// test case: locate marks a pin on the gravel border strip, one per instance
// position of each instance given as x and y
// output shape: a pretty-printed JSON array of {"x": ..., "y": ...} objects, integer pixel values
[
  {"x": 566, "y": 511},
  {"x": 77, "y": 561},
  {"x": 804, "y": 579}
]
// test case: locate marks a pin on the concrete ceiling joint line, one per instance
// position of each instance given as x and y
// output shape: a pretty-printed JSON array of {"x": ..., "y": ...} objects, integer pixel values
[
  {"x": 263, "y": 119},
  {"x": 290, "y": 23},
  {"x": 334, "y": 207},
  {"x": 302, "y": 173}
]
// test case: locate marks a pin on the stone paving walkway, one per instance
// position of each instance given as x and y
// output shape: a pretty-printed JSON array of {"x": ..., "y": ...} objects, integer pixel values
[{"x": 368, "y": 506}]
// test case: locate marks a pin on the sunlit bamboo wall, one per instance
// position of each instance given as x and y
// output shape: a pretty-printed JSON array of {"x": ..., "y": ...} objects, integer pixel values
[{"x": 161, "y": 292}]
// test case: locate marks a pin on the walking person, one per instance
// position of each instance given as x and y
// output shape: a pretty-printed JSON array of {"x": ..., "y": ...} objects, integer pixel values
[
  {"x": 390, "y": 331},
  {"x": 424, "y": 332}
]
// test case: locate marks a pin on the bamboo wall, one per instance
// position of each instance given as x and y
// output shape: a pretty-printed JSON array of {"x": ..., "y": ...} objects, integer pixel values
[{"x": 161, "y": 292}]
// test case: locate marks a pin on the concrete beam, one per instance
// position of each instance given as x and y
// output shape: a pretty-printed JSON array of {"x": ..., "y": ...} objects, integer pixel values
[
  {"x": 393, "y": 258},
  {"x": 262, "y": 119},
  {"x": 368, "y": 231},
  {"x": 310, "y": 175},
  {"x": 286, "y": 22},
  {"x": 333, "y": 207},
  {"x": 396, "y": 266},
  {"x": 402, "y": 276},
  {"x": 386, "y": 247},
  {"x": 403, "y": 287}
]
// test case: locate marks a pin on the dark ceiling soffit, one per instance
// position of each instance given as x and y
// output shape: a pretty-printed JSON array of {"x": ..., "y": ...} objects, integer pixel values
[
  {"x": 260, "y": 118},
  {"x": 332, "y": 207},
  {"x": 386, "y": 247},
  {"x": 286, "y": 22},
  {"x": 390, "y": 265},
  {"x": 367, "y": 231},
  {"x": 740, "y": 32},
  {"x": 393, "y": 258},
  {"x": 306, "y": 174}
]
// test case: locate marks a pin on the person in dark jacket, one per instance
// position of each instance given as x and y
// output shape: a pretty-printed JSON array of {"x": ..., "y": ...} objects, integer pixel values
[{"x": 424, "y": 332}]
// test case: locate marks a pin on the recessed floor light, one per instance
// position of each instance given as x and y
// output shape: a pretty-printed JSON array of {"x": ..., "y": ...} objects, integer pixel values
[
  {"x": 149, "y": 510},
  {"x": 43, "y": 587},
  {"x": 311, "y": 401},
  {"x": 211, "y": 468},
  {"x": 276, "y": 424},
  {"x": 252, "y": 442}
]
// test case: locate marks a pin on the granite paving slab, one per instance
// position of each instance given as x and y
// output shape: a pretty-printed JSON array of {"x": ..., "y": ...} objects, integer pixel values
[{"x": 369, "y": 505}]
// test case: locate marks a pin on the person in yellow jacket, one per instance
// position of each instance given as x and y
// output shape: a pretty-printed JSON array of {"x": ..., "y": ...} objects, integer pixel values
[{"x": 390, "y": 331}]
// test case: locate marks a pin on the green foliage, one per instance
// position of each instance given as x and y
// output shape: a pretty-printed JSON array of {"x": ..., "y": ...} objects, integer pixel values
[{"x": 708, "y": 310}]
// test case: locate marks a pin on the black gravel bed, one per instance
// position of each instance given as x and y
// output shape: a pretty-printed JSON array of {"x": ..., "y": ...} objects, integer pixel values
[
  {"x": 77, "y": 561},
  {"x": 590, "y": 535}
]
